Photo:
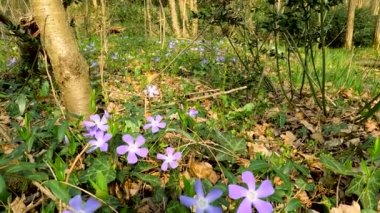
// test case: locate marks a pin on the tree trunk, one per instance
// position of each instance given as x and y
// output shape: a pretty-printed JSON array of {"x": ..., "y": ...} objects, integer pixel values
[
  {"x": 350, "y": 23},
  {"x": 174, "y": 17},
  {"x": 69, "y": 66},
  {"x": 376, "y": 40},
  {"x": 194, "y": 22},
  {"x": 184, "y": 18},
  {"x": 375, "y": 7}
]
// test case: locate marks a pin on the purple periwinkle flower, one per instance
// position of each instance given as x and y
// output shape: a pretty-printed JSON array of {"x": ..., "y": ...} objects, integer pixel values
[
  {"x": 96, "y": 121},
  {"x": 11, "y": 62},
  {"x": 100, "y": 141},
  {"x": 93, "y": 64},
  {"x": 78, "y": 206},
  {"x": 151, "y": 91},
  {"x": 204, "y": 61},
  {"x": 115, "y": 56},
  {"x": 252, "y": 196},
  {"x": 170, "y": 159},
  {"x": 132, "y": 148},
  {"x": 90, "y": 47},
  {"x": 192, "y": 112},
  {"x": 171, "y": 45},
  {"x": 200, "y": 202},
  {"x": 155, "y": 123},
  {"x": 220, "y": 59}
]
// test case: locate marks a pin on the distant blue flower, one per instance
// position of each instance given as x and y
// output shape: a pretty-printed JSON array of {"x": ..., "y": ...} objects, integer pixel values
[
  {"x": 156, "y": 59},
  {"x": 204, "y": 61},
  {"x": 151, "y": 91},
  {"x": 220, "y": 59},
  {"x": 200, "y": 202},
  {"x": 234, "y": 60},
  {"x": 78, "y": 206},
  {"x": 115, "y": 56},
  {"x": 93, "y": 64},
  {"x": 155, "y": 123},
  {"x": 192, "y": 112},
  {"x": 11, "y": 62},
  {"x": 171, "y": 45},
  {"x": 90, "y": 47}
]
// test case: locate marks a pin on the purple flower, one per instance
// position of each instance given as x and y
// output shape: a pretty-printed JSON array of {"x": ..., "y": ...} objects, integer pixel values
[
  {"x": 91, "y": 132},
  {"x": 155, "y": 124},
  {"x": 234, "y": 60},
  {"x": 132, "y": 148},
  {"x": 220, "y": 59},
  {"x": 156, "y": 59},
  {"x": 192, "y": 112},
  {"x": 151, "y": 91},
  {"x": 200, "y": 202},
  {"x": 11, "y": 62},
  {"x": 93, "y": 64},
  {"x": 201, "y": 49},
  {"x": 100, "y": 141},
  {"x": 170, "y": 159},
  {"x": 204, "y": 61},
  {"x": 171, "y": 45},
  {"x": 77, "y": 205},
  {"x": 251, "y": 195},
  {"x": 115, "y": 56},
  {"x": 96, "y": 121}
]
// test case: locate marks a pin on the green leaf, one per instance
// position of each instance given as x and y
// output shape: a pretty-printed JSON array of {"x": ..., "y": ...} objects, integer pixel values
[
  {"x": 152, "y": 180},
  {"x": 100, "y": 185},
  {"x": 44, "y": 90},
  {"x": 59, "y": 167},
  {"x": 258, "y": 166},
  {"x": 333, "y": 165},
  {"x": 4, "y": 194},
  {"x": 99, "y": 164},
  {"x": 36, "y": 176},
  {"x": 293, "y": 205},
  {"x": 62, "y": 131},
  {"x": 231, "y": 145},
  {"x": 21, "y": 103},
  {"x": 59, "y": 190},
  {"x": 176, "y": 207}
]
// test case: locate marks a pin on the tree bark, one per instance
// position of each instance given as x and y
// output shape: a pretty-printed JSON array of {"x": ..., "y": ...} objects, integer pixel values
[
  {"x": 375, "y": 7},
  {"x": 376, "y": 40},
  {"x": 174, "y": 17},
  {"x": 350, "y": 23},
  {"x": 184, "y": 18},
  {"x": 194, "y": 22},
  {"x": 70, "y": 68}
]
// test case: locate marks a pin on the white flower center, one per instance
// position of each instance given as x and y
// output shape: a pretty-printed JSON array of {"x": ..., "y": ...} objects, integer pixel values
[
  {"x": 133, "y": 148},
  {"x": 251, "y": 195},
  {"x": 169, "y": 158},
  {"x": 80, "y": 211},
  {"x": 202, "y": 203}
]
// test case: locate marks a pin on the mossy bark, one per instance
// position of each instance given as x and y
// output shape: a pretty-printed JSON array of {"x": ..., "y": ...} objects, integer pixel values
[{"x": 69, "y": 66}]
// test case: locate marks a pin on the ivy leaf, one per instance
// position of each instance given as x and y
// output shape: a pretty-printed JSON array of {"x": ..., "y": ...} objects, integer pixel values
[
  {"x": 231, "y": 144},
  {"x": 99, "y": 164},
  {"x": 59, "y": 190},
  {"x": 152, "y": 180},
  {"x": 333, "y": 165}
]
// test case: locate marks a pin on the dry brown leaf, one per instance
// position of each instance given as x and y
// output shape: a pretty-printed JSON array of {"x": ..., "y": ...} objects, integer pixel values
[
  {"x": 289, "y": 138},
  {"x": 18, "y": 205},
  {"x": 318, "y": 137},
  {"x": 202, "y": 170},
  {"x": 371, "y": 125},
  {"x": 131, "y": 188},
  {"x": 304, "y": 198},
  {"x": 277, "y": 181},
  {"x": 253, "y": 148},
  {"x": 343, "y": 208},
  {"x": 308, "y": 125}
]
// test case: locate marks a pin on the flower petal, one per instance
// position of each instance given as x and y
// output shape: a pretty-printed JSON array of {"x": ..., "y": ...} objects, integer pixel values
[
  {"x": 107, "y": 137},
  {"x": 170, "y": 151},
  {"x": 177, "y": 156},
  {"x": 245, "y": 206},
  {"x": 95, "y": 118},
  {"x": 161, "y": 125},
  {"x": 164, "y": 166},
  {"x": 214, "y": 195},
  {"x": 147, "y": 126},
  {"x": 140, "y": 140},
  {"x": 131, "y": 158},
  {"x": 198, "y": 188},
  {"x": 155, "y": 129},
  {"x": 263, "y": 206},
  {"x": 214, "y": 209},
  {"x": 236, "y": 191},
  {"x": 104, "y": 147},
  {"x": 76, "y": 202},
  {"x": 249, "y": 179},
  {"x": 161, "y": 156},
  {"x": 142, "y": 152},
  {"x": 173, "y": 164},
  {"x": 265, "y": 189},
  {"x": 187, "y": 201},
  {"x": 158, "y": 118},
  {"x": 150, "y": 119},
  {"x": 121, "y": 150},
  {"x": 128, "y": 139},
  {"x": 92, "y": 205}
]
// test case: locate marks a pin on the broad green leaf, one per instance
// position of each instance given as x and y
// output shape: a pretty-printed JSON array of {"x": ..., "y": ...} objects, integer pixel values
[
  {"x": 231, "y": 146},
  {"x": 44, "y": 90},
  {"x": 99, "y": 164},
  {"x": 258, "y": 166},
  {"x": 371, "y": 190},
  {"x": 37, "y": 176},
  {"x": 333, "y": 165},
  {"x": 4, "y": 194},
  {"x": 22, "y": 167},
  {"x": 292, "y": 205},
  {"x": 62, "y": 131},
  {"x": 150, "y": 179},
  {"x": 59, "y": 167},
  {"x": 59, "y": 190},
  {"x": 304, "y": 185},
  {"x": 356, "y": 186},
  {"x": 100, "y": 185},
  {"x": 21, "y": 103},
  {"x": 143, "y": 167},
  {"x": 175, "y": 207}
]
